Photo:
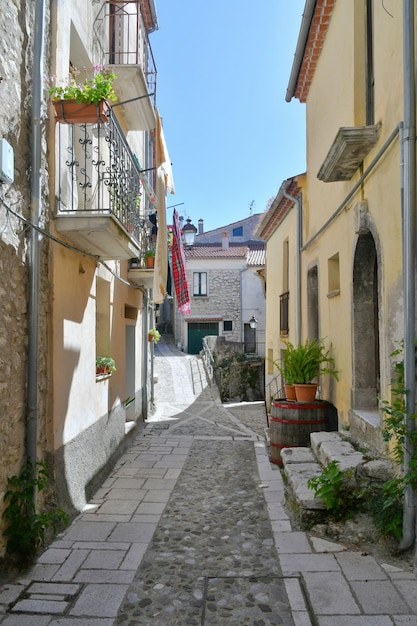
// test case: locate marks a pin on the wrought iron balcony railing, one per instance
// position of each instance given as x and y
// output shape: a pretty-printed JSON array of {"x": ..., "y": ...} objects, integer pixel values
[
  {"x": 99, "y": 175},
  {"x": 121, "y": 38}
]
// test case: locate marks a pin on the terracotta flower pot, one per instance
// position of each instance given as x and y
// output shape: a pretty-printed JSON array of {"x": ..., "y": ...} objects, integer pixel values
[
  {"x": 150, "y": 261},
  {"x": 72, "y": 112},
  {"x": 290, "y": 393},
  {"x": 305, "y": 393}
]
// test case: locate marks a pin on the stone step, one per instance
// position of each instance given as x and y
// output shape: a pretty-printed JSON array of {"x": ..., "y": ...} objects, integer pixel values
[
  {"x": 300, "y": 464},
  {"x": 331, "y": 447}
]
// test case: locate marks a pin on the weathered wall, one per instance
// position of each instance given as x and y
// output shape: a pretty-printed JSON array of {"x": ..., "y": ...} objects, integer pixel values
[{"x": 16, "y": 72}]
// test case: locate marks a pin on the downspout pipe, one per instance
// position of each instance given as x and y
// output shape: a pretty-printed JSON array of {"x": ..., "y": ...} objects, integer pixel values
[
  {"x": 297, "y": 203},
  {"x": 409, "y": 264},
  {"x": 145, "y": 329},
  {"x": 35, "y": 215}
]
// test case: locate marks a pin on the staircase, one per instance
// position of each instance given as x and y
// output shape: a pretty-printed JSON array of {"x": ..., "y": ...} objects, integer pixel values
[{"x": 301, "y": 464}]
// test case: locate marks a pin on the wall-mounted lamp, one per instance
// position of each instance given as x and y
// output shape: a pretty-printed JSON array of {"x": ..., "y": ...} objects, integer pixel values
[
  {"x": 189, "y": 232},
  {"x": 253, "y": 322}
]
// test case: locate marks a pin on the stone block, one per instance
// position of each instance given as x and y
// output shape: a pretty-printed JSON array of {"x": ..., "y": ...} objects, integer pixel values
[
  {"x": 316, "y": 439},
  {"x": 341, "y": 451},
  {"x": 297, "y": 455},
  {"x": 298, "y": 475}
]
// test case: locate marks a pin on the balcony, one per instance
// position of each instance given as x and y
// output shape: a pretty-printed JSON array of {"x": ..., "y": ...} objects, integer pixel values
[
  {"x": 104, "y": 197},
  {"x": 347, "y": 152},
  {"x": 121, "y": 40}
]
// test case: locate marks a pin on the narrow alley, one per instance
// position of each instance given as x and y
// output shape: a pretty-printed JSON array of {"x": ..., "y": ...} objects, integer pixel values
[{"x": 190, "y": 528}]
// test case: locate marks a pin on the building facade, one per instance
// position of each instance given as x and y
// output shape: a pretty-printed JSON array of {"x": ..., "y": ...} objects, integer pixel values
[
  {"x": 75, "y": 239},
  {"x": 351, "y": 206},
  {"x": 227, "y": 289}
]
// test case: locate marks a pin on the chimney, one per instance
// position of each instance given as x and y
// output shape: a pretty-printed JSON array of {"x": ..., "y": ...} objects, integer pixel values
[
  {"x": 225, "y": 241},
  {"x": 200, "y": 226}
]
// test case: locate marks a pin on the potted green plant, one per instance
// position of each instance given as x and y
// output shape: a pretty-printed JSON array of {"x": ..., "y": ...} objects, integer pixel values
[
  {"x": 86, "y": 102},
  {"x": 286, "y": 370},
  {"x": 150, "y": 257},
  {"x": 303, "y": 363},
  {"x": 105, "y": 365},
  {"x": 154, "y": 335}
]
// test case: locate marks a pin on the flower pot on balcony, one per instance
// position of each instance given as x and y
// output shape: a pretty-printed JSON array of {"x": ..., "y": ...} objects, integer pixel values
[
  {"x": 150, "y": 261},
  {"x": 73, "y": 112}
]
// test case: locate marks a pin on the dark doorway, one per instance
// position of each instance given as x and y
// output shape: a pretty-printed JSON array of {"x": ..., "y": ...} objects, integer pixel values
[
  {"x": 196, "y": 332},
  {"x": 366, "y": 365}
]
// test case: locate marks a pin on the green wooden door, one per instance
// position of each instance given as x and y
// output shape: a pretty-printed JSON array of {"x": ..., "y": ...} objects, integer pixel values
[{"x": 196, "y": 332}]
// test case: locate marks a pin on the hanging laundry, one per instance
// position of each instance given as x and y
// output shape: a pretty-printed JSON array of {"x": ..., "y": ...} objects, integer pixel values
[{"x": 178, "y": 269}]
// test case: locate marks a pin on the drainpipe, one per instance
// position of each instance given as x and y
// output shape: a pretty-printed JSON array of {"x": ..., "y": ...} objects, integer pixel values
[
  {"x": 145, "y": 356},
  {"x": 35, "y": 214},
  {"x": 298, "y": 263},
  {"x": 409, "y": 265}
]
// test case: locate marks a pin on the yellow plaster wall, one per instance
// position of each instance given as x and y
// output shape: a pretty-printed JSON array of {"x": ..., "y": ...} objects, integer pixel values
[{"x": 335, "y": 100}]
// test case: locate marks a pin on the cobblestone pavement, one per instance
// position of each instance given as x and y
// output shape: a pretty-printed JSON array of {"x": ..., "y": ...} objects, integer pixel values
[{"x": 190, "y": 528}]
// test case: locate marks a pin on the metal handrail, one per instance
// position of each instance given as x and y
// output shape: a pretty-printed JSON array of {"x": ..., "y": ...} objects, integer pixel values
[
  {"x": 208, "y": 360},
  {"x": 121, "y": 38}
]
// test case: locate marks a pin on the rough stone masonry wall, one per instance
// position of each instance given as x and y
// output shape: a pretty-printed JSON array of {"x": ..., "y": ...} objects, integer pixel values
[
  {"x": 223, "y": 299},
  {"x": 16, "y": 71}
]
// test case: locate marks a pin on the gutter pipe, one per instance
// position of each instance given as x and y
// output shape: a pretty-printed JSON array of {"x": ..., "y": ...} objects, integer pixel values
[
  {"x": 35, "y": 212},
  {"x": 145, "y": 329},
  {"x": 356, "y": 186},
  {"x": 409, "y": 263},
  {"x": 298, "y": 262},
  {"x": 309, "y": 8}
]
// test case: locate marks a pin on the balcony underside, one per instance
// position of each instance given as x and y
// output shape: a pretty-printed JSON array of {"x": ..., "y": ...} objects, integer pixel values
[
  {"x": 131, "y": 83},
  {"x": 99, "y": 235},
  {"x": 347, "y": 152},
  {"x": 141, "y": 277}
]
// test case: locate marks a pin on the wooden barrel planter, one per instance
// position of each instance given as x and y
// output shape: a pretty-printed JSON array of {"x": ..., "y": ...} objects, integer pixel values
[{"x": 291, "y": 423}]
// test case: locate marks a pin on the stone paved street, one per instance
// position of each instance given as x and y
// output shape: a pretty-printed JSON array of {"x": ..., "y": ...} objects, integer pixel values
[{"x": 191, "y": 528}]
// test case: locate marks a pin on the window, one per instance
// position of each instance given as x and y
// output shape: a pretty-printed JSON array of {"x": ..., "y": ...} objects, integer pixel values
[
  {"x": 227, "y": 325},
  {"x": 285, "y": 266},
  {"x": 283, "y": 313},
  {"x": 370, "y": 82},
  {"x": 103, "y": 322},
  {"x": 334, "y": 275},
  {"x": 238, "y": 232},
  {"x": 200, "y": 284}
]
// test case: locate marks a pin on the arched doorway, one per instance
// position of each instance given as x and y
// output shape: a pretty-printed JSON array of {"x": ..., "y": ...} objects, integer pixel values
[{"x": 366, "y": 363}]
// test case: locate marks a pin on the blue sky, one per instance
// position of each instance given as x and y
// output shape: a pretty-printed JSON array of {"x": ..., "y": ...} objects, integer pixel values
[{"x": 223, "y": 70}]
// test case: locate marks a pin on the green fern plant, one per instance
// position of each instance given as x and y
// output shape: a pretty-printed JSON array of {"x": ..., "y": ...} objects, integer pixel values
[
  {"x": 304, "y": 362},
  {"x": 25, "y": 530},
  {"x": 334, "y": 487}
]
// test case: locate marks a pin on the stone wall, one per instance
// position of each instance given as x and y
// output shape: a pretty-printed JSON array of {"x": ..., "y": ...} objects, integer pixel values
[
  {"x": 16, "y": 72},
  {"x": 223, "y": 299}
]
